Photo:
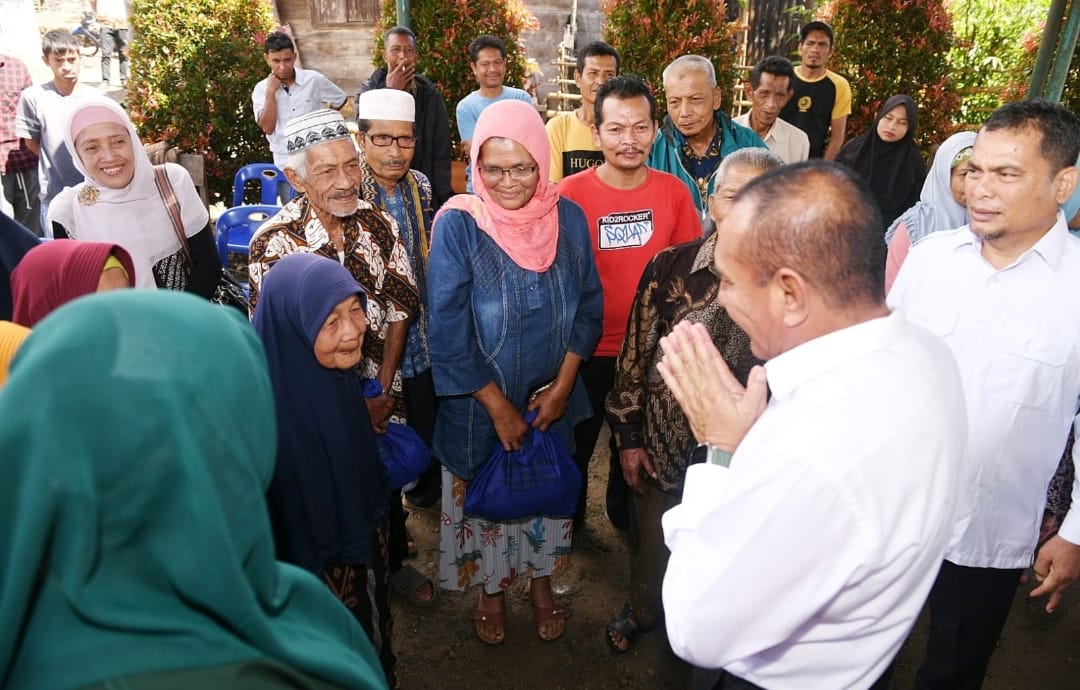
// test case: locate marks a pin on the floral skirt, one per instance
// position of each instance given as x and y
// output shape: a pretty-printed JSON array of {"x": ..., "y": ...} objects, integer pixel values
[{"x": 478, "y": 551}]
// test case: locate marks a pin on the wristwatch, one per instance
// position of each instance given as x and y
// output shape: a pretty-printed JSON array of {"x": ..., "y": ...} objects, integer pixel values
[{"x": 710, "y": 455}]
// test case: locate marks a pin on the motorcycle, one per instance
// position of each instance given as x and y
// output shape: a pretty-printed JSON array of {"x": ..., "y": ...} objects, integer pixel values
[{"x": 88, "y": 35}]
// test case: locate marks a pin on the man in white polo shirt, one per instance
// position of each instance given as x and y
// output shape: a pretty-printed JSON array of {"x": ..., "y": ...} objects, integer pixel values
[
  {"x": 769, "y": 89},
  {"x": 1004, "y": 294},
  {"x": 805, "y": 563}
]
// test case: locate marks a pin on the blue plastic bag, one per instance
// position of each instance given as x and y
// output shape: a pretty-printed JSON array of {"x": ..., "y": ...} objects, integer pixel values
[
  {"x": 403, "y": 452},
  {"x": 539, "y": 479}
]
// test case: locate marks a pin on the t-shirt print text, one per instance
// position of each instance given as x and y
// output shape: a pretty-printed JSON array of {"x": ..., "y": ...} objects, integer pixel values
[{"x": 626, "y": 229}]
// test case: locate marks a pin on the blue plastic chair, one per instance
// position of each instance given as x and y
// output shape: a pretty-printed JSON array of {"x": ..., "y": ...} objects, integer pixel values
[
  {"x": 269, "y": 178},
  {"x": 236, "y": 226}
]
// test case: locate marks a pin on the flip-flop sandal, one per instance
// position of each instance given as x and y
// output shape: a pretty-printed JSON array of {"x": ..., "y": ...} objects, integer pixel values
[
  {"x": 625, "y": 626},
  {"x": 407, "y": 580},
  {"x": 544, "y": 614},
  {"x": 496, "y": 619}
]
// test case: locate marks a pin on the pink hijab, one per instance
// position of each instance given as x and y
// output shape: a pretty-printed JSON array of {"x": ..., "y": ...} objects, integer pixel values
[{"x": 530, "y": 234}]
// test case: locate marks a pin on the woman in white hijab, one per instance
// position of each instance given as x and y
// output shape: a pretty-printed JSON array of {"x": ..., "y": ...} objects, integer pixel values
[
  {"x": 940, "y": 206},
  {"x": 123, "y": 201}
]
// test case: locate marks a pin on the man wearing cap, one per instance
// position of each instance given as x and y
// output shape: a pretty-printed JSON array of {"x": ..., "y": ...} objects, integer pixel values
[
  {"x": 328, "y": 218},
  {"x": 387, "y": 141},
  {"x": 822, "y": 100},
  {"x": 431, "y": 154},
  {"x": 288, "y": 92}
]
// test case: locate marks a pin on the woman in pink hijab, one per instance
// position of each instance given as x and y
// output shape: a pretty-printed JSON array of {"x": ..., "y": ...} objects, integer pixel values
[{"x": 515, "y": 306}]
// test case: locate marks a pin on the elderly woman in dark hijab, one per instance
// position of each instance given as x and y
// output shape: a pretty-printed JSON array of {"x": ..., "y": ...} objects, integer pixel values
[
  {"x": 135, "y": 536},
  {"x": 329, "y": 498},
  {"x": 888, "y": 160}
]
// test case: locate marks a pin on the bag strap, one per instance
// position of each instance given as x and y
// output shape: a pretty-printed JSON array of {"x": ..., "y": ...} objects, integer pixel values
[
  {"x": 418, "y": 205},
  {"x": 168, "y": 196}
]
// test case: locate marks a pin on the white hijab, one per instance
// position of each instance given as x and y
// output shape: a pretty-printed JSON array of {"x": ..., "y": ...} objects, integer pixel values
[
  {"x": 936, "y": 209},
  {"x": 134, "y": 217}
]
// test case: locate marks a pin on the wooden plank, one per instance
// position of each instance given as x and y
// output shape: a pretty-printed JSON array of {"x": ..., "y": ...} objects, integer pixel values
[{"x": 325, "y": 12}]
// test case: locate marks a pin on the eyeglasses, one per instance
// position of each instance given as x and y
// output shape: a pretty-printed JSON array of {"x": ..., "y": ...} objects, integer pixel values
[
  {"x": 404, "y": 142},
  {"x": 518, "y": 172}
]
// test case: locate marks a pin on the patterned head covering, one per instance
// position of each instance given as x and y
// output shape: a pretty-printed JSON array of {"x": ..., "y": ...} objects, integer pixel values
[{"x": 314, "y": 128}]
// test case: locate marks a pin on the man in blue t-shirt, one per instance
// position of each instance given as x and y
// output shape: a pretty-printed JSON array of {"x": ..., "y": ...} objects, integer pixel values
[{"x": 487, "y": 58}]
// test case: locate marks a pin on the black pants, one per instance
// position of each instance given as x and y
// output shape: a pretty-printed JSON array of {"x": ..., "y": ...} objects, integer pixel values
[
  {"x": 726, "y": 681},
  {"x": 968, "y": 608},
  {"x": 648, "y": 554},
  {"x": 598, "y": 375},
  {"x": 421, "y": 406}
]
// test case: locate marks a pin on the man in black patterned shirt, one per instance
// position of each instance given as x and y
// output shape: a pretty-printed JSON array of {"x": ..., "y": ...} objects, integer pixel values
[{"x": 650, "y": 429}]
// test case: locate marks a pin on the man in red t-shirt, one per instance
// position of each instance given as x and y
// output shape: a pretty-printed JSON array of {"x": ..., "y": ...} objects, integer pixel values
[{"x": 633, "y": 212}]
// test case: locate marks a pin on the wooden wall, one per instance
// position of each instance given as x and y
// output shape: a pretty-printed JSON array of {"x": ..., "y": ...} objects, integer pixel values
[{"x": 334, "y": 37}]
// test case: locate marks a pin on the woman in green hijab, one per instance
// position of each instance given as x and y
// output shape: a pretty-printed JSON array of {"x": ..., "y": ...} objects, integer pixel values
[{"x": 134, "y": 539}]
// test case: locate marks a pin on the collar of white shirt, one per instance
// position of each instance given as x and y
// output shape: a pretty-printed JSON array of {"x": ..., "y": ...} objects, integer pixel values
[
  {"x": 1049, "y": 248},
  {"x": 790, "y": 370}
]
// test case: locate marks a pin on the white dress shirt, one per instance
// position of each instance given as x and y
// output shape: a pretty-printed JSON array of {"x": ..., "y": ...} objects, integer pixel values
[
  {"x": 1016, "y": 336},
  {"x": 783, "y": 138},
  {"x": 309, "y": 91},
  {"x": 805, "y": 564}
]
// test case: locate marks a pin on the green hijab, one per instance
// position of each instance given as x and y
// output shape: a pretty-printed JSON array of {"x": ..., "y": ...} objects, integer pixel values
[{"x": 136, "y": 442}]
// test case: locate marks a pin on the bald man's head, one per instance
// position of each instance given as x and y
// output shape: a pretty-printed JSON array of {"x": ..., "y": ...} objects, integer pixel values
[{"x": 817, "y": 219}]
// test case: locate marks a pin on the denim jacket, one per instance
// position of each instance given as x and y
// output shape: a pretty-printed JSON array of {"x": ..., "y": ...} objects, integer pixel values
[{"x": 491, "y": 320}]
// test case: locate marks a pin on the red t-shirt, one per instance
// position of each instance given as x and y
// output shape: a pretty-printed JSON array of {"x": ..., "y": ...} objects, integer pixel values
[{"x": 628, "y": 227}]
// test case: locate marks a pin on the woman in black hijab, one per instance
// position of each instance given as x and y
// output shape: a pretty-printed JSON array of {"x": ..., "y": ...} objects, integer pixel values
[{"x": 887, "y": 158}]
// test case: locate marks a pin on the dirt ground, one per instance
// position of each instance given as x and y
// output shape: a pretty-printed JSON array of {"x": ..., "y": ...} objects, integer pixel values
[{"x": 437, "y": 649}]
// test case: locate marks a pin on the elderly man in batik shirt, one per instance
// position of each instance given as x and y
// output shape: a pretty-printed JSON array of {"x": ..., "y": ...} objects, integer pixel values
[
  {"x": 654, "y": 439},
  {"x": 329, "y": 219}
]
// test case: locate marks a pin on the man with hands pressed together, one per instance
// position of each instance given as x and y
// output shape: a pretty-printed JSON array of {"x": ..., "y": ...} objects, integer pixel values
[{"x": 805, "y": 546}]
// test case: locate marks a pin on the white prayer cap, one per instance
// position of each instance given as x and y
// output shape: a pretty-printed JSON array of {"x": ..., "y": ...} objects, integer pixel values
[
  {"x": 386, "y": 104},
  {"x": 316, "y": 127}
]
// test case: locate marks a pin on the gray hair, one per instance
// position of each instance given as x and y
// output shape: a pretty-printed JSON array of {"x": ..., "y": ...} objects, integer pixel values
[
  {"x": 757, "y": 159},
  {"x": 298, "y": 162},
  {"x": 691, "y": 63}
]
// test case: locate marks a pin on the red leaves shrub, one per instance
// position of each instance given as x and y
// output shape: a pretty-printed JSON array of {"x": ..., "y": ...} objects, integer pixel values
[
  {"x": 193, "y": 66},
  {"x": 445, "y": 28},
  {"x": 889, "y": 47},
  {"x": 649, "y": 34}
]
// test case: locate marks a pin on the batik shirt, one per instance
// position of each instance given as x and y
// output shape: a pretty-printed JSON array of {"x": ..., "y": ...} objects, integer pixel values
[
  {"x": 677, "y": 284},
  {"x": 374, "y": 254}
]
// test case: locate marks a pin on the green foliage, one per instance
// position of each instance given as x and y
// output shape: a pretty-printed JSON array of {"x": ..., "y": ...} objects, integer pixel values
[
  {"x": 445, "y": 28},
  {"x": 649, "y": 34},
  {"x": 903, "y": 49},
  {"x": 994, "y": 52},
  {"x": 1070, "y": 97},
  {"x": 193, "y": 66}
]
